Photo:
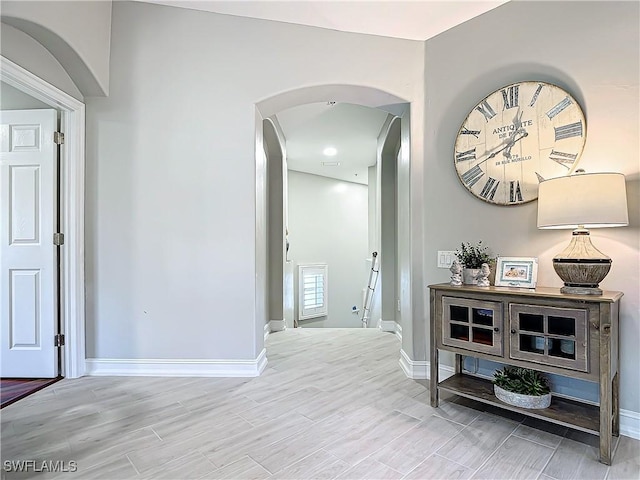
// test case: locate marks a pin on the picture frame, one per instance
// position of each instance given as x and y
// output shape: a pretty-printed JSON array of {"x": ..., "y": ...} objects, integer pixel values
[{"x": 517, "y": 272}]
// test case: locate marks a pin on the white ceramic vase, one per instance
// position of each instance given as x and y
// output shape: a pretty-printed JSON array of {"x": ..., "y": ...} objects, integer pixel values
[
  {"x": 520, "y": 400},
  {"x": 469, "y": 276}
]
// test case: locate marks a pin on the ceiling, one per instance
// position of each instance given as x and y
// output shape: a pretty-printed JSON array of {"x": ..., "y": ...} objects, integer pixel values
[
  {"x": 412, "y": 19},
  {"x": 351, "y": 129}
]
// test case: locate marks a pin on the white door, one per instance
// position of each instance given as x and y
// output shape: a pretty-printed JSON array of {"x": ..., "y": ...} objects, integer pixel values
[{"x": 27, "y": 253}]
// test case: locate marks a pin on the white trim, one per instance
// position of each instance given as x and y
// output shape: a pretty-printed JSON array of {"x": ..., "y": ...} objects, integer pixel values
[
  {"x": 390, "y": 326},
  {"x": 399, "y": 331},
  {"x": 274, "y": 326},
  {"x": 415, "y": 369},
  {"x": 175, "y": 367},
  {"x": 277, "y": 325},
  {"x": 421, "y": 369},
  {"x": 630, "y": 424},
  {"x": 387, "y": 325},
  {"x": 72, "y": 196}
]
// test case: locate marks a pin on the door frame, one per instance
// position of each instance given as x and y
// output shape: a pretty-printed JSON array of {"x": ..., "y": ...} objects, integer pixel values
[
  {"x": 411, "y": 276},
  {"x": 71, "y": 194}
]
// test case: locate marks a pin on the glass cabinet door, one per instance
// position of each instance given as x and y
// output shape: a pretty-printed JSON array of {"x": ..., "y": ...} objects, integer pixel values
[
  {"x": 472, "y": 324},
  {"x": 549, "y": 335}
]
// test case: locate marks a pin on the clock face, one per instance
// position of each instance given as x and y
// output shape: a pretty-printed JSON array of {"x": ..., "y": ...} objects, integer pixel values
[{"x": 515, "y": 138}]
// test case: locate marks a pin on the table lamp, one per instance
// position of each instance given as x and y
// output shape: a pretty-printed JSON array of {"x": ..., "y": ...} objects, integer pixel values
[{"x": 582, "y": 201}]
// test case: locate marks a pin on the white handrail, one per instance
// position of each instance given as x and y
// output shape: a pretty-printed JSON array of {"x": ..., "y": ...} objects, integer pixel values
[{"x": 371, "y": 286}]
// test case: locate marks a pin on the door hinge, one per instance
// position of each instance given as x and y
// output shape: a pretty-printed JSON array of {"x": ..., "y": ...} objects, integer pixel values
[
  {"x": 58, "y": 138},
  {"x": 58, "y": 239},
  {"x": 58, "y": 340}
]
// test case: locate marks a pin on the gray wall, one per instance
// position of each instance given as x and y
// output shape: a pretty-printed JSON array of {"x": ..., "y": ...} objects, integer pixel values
[
  {"x": 20, "y": 48},
  {"x": 328, "y": 224},
  {"x": 374, "y": 241},
  {"x": 373, "y": 212},
  {"x": 388, "y": 213},
  {"x": 171, "y": 162},
  {"x": 592, "y": 50},
  {"x": 13, "y": 99},
  {"x": 77, "y": 33},
  {"x": 275, "y": 222}
]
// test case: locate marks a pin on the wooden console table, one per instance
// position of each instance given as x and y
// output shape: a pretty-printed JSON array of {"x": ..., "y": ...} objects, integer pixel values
[{"x": 571, "y": 335}]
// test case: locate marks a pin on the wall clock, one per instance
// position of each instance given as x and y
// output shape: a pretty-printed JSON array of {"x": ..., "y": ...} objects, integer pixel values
[{"x": 516, "y": 137}]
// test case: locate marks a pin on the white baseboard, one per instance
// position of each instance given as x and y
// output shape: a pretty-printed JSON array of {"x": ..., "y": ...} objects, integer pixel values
[
  {"x": 416, "y": 370},
  {"x": 390, "y": 326},
  {"x": 421, "y": 369},
  {"x": 176, "y": 367},
  {"x": 387, "y": 325},
  {"x": 277, "y": 325},
  {"x": 630, "y": 424}
]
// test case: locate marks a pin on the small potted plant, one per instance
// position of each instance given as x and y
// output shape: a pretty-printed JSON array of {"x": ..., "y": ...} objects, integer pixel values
[
  {"x": 522, "y": 387},
  {"x": 472, "y": 257}
]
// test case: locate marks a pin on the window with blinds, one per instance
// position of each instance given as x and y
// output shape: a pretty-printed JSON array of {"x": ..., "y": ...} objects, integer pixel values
[{"x": 312, "y": 291}]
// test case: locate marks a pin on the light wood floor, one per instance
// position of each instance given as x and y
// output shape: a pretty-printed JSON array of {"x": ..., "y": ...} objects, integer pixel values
[{"x": 332, "y": 403}]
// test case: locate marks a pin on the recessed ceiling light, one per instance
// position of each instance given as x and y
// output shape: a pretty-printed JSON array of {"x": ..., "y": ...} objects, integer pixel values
[
  {"x": 330, "y": 164},
  {"x": 330, "y": 151}
]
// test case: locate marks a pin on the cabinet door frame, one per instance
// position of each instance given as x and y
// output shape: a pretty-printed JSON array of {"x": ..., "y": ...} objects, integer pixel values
[
  {"x": 496, "y": 328},
  {"x": 580, "y": 362}
]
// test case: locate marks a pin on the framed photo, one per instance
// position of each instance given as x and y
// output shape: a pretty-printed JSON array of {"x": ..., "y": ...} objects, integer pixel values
[{"x": 517, "y": 272}]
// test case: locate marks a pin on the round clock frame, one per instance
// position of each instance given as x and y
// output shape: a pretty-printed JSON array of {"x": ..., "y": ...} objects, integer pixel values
[{"x": 516, "y": 137}]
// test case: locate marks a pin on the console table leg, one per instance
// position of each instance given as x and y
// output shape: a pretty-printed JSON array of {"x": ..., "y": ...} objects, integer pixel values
[
  {"x": 606, "y": 401},
  {"x": 433, "y": 386},
  {"x": 459, "y": 362},
  {"x": 616, "y": 404}
]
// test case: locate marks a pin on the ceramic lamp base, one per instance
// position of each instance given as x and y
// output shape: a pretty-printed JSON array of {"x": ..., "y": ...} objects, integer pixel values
[
  {"x": 581, "y": 277},
  {"x": 581, "y": 290},
  {"x": 581, "y": 266}
]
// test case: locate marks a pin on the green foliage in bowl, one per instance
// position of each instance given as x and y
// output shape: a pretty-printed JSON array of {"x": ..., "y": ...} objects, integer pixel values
[
  {"x": 521, "y": 380},
  {"x": 473, "y": 256}
]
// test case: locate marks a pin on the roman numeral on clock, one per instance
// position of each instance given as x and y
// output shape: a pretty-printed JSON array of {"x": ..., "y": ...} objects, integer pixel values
[
  {"x": 485, "y": 109},
  {"x": 468, "y": 155},
  {"x": 471, "y": 177},
  {"x": 489, "y": 189},
  {"x": 515, "y": 194},
  {"x": 535, "y": 95},
  {"x": 466, "y": 131},
  {"x": 510, "y": 96},
  {"x": 567, "y": 131},
  {"x": 559, "y": 107},
  {"x": 564, "y": 159}
]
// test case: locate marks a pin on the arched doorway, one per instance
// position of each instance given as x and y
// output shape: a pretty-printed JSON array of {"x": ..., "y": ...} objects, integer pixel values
[{"x": 400, "y": 127}]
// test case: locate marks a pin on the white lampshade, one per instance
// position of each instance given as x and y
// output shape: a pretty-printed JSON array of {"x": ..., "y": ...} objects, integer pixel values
[
  {"x": 581, "y": 202},
  {"x": 590, "y": 200}
]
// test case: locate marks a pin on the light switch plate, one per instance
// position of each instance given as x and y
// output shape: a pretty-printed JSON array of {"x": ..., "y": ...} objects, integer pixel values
[{"x": 445, "y": 258}]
